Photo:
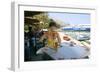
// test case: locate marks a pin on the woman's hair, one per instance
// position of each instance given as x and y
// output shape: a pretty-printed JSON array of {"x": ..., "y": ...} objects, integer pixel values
[{"x": 52, "y": 23}]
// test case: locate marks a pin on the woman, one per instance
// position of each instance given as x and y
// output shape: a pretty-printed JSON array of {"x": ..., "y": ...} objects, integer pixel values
[{"x": 52, "y": 36}]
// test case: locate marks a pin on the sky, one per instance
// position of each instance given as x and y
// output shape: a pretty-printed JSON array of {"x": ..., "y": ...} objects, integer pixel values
[{"x": 71, "y": 18}]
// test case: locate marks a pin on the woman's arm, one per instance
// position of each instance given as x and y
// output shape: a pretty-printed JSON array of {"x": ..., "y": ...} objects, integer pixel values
[
  {"x": 59, "y": 39},
  {"x": 42, "y": 38}
]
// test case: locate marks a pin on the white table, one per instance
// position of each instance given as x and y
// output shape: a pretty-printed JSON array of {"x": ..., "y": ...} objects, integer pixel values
[{"x": 67, "y": 52}]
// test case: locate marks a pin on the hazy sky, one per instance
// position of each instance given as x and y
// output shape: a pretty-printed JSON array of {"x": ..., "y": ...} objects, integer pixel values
[{"x": 72, "y": 18}]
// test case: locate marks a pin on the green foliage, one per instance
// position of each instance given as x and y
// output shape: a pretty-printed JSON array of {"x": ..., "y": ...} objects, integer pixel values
[{"x": 43, "y": 23}]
